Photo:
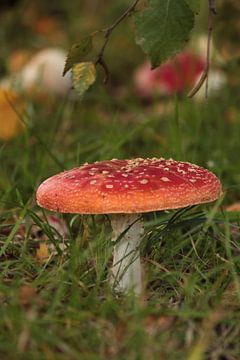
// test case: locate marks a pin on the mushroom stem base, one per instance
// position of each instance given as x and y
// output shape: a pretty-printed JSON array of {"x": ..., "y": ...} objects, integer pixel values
[{"x": 126, "y": 269}]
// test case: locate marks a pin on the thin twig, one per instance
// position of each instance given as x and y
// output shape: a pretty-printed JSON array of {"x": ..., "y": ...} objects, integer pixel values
[
  {"x": 108, "y": 32},
  {"x": 205, "y": 74},
  {"x": 105, "y": 68},
  {"x": 211, "y": 14}
]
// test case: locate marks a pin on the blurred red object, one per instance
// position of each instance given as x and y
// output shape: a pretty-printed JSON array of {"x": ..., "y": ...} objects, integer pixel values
[{"x": 174, "y": 77}]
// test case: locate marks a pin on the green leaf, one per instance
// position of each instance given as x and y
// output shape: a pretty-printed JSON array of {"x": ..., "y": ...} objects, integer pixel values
[
  {"x": 77, "y": 52},
  {"x": 83, "y": 76},
  {"x": 194, "y": 5},
  {"x": 163, "y": 28}
]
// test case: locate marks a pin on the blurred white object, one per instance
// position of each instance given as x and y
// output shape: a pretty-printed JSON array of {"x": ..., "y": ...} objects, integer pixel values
[
  {"x": 216, "y": 81},
  {"x": 42, "y": 74},
  {"x": 59, "y": 225},
  {"x": 45, "y": 70},
  {"x": 198, "y": 44}
]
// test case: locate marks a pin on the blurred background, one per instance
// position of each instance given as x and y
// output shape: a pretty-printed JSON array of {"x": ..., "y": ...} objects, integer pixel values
[{"x": 44, "y": 127}]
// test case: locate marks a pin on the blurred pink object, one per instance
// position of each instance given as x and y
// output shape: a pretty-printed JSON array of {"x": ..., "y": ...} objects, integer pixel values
[{"x": 174, "y": 77}]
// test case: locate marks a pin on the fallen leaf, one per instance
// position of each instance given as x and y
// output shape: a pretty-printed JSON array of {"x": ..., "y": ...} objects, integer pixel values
[
  {"x": 155, "y": 324},
  {"x": 27, "y": 295},
  {"x": 234, "y": 207},
  {"x": 11, "y": 108},
  {"x": 42, "y": 254}
]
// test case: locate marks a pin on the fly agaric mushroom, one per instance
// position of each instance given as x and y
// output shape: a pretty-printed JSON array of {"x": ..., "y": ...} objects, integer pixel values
[
  {"x": 127, "y": 188},
  {"x": 41, "y": 74},
  {"x": 176, "y": 76}
]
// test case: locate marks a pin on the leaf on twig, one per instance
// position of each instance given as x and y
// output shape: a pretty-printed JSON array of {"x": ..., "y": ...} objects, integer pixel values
[
  {"x": 83, "y": 76},
  {"x": 163, "y": 28},
  {"x": 77, "y": 52}
]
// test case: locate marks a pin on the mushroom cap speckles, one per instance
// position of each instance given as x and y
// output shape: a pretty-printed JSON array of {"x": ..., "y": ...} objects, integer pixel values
[{"x": 128, "y": 186}]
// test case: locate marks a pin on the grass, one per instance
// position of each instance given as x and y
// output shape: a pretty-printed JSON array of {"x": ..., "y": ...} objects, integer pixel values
[{"x": 64, "y": 308}]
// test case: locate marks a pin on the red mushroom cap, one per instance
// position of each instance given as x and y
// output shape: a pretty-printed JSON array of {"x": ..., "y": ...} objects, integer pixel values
[{"x": 128, "y": 186}]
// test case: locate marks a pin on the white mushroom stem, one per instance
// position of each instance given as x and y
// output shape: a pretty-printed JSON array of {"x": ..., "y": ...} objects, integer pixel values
[{"x": 126, "y": 269}]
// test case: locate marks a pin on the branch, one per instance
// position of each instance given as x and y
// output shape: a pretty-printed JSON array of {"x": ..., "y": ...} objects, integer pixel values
[
  {"x": 204, "y": 77},
  {"x": 108, "y": 32}
]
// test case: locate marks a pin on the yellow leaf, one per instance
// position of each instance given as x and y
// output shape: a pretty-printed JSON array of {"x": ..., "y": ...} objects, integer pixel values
[
  {"x": 10, "y": 123},
  {"x": 83, "y": 76},
  {"x": 42, "y": 254}
]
